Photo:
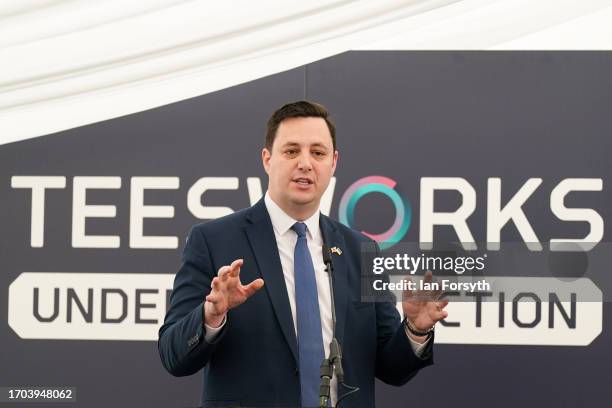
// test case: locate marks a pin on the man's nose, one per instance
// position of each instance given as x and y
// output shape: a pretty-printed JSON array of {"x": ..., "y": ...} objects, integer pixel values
[{"x": 304, "y": 163}]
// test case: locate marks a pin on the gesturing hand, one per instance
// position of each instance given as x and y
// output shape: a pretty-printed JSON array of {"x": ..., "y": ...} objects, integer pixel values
[
  {"x": 422, "y": 307},
  {"x": 227, "y": 292}
]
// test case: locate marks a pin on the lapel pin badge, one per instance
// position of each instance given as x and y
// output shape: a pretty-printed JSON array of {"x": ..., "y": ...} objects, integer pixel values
[{"x": 336, "y": 250}]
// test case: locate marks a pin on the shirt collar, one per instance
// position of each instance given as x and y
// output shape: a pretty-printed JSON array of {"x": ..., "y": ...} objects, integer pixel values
[{"x": 282, "y": 222}]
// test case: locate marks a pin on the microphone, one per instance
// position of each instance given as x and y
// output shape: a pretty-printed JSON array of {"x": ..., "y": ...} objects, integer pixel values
[
  {"x": 327, "y": 260},
  {"x": 334, "y": 362},
  {"x": 335, "y": 352}
]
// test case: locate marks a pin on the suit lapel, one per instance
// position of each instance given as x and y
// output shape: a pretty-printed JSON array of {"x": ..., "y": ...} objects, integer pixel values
[
  {"x": 333, "y": 238},
  {"x": 263, "y": 243}
]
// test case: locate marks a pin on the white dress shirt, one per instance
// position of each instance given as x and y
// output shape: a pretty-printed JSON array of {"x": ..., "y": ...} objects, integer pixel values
[{"x": 286, "y": 239}]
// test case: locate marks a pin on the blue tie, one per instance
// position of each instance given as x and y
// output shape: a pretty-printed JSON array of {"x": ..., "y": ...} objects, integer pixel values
[{"x": 310, "y": 338}]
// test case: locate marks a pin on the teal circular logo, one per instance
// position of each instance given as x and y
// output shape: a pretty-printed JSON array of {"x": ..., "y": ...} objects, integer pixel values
[{"x": 383, "y": 185}]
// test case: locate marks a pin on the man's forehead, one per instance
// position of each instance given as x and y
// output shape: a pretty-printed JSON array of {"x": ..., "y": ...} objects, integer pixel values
[{"x": 304, "y": 131}]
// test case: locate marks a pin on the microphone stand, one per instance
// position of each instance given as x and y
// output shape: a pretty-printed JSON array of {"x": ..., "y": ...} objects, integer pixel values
[{"x": 334, "y": 361}]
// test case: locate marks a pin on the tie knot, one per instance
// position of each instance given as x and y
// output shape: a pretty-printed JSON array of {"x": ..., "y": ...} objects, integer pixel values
[{"x": 300, "y": 229}]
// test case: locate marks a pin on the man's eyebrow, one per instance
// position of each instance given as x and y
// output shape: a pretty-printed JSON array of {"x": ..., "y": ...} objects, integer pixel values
[
  {"x": 296, "y": 144},
  {"x": 319, "y": 145}
]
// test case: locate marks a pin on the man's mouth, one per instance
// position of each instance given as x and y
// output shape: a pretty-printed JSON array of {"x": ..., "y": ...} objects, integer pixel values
[{"x": 303, "y": 181}]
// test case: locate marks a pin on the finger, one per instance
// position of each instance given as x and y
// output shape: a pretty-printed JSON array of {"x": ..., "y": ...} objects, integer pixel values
[
  {"x": 407, "y": 293},
  {"x": 213, "y": 298},
  {"x": 437, "y": 293},
  {"x": 223, "y": 271},
  {"x": 235, "y": 267},
  {"x": 434, "y": 294},
  {"x": 216, "y": 284},
  {"x": 253, "y": 287},
  {"x": 414, "y": 296},
  {"x": 439, "y": 315},
  {"x": 442, "y": 304}
]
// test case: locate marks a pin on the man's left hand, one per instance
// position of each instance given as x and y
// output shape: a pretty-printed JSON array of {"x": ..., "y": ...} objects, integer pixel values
[{"x": 422, "y": 307}]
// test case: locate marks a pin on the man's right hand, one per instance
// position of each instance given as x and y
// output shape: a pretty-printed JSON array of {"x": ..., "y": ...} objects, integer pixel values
[{"x": 227, "y": 292}]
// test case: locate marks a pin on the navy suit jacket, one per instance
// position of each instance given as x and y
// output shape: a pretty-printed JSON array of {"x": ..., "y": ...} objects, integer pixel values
[{"x": 253, "y": 362}]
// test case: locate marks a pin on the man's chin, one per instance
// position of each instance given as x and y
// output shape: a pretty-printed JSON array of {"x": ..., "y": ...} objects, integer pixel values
[{"x": 303, "y": 199}]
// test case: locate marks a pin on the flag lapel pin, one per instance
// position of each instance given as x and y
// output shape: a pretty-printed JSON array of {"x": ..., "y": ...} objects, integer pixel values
[{"x": 336, "y": 251}]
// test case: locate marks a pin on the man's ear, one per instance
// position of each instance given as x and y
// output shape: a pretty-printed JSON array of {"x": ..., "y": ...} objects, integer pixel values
[
  {"x": 335, "y": 162},
  {"x": 265, "y": 159}
]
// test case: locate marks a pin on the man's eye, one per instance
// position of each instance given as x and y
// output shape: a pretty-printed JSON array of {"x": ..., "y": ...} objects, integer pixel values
[
  {"x": 291, "y": 151},
  {"x": 319, "y": 154}
]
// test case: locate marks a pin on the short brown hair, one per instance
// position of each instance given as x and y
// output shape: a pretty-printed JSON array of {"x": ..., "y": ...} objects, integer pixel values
[{"x": 299, "y": 109}]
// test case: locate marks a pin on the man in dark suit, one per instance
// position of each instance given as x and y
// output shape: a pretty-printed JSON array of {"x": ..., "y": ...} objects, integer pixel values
[{"x": 261, "y": 345}]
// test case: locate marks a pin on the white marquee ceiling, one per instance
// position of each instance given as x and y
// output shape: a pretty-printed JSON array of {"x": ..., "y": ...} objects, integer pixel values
[{"x": 68, "y": 63}]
